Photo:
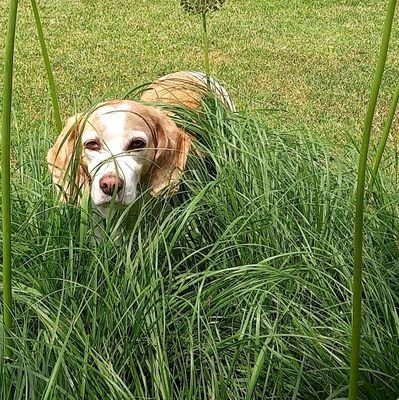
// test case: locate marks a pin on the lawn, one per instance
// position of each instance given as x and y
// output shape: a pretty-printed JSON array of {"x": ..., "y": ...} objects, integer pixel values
[
  {"x": 239, "y": 287},
  {"x": 312, "y": 60}
]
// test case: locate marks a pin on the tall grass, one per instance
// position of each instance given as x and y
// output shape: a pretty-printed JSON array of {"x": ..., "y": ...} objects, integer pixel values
[
  {"x": 47, "y": 64},
  {"x": 239, "y": 287},
  {"x": 5, "y": 174},
  {"x": 203, "y": 8},
  {"x": 360, "y": 194},
  {"x": 6, "y": 143}
]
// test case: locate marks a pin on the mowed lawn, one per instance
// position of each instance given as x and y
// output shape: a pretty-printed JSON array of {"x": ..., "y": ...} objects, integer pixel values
[{"x": 312, "y": 61}]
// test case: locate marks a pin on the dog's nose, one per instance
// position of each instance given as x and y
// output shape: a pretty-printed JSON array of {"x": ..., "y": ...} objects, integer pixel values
[{"x": 111, "y": 183}]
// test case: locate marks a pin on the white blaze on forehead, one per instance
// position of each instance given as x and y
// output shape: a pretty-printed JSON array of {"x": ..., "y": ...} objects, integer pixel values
[{"x": 113, "y": 119}]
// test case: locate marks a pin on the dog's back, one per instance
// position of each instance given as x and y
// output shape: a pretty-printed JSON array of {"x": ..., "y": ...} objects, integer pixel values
[{"x": 186, "y": 88}]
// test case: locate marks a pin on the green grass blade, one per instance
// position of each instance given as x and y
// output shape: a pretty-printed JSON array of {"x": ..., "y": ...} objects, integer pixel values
[
  {"x": 387, "y": 128},
  {"x": 205, "y": 44},
  {"x": 46, "y": 59},
  {"x": 5, "y": 169},
  {"x": 360, "y": 191},
  {"x": 256, "y": 370}
]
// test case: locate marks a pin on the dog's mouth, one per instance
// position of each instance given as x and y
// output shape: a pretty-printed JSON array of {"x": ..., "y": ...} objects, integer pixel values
[
  {"x": 116, "y": 200},
  {"x": 111, "y": 201}
]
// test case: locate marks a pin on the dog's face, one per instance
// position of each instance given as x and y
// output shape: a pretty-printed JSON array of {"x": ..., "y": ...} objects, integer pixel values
[{"x": 119, "y": 145}]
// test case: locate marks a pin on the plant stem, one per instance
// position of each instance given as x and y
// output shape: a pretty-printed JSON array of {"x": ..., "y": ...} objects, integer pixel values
[
  {"x": 383, "y": 141},
  {"x": 50, "y": 76},
  {"x": 205, "y": 40},
  {"x": 5, "y": 172},
  {"x": 358, "y": 259}
]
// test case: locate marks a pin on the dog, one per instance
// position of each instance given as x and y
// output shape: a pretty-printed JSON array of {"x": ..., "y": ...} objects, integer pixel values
[{"x": 122, "y": 145}]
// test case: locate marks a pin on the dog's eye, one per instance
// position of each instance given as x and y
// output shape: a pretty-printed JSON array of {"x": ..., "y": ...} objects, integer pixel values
[
  {"x": 92, "y": 145},
  {"x": 136, "y": 144}
]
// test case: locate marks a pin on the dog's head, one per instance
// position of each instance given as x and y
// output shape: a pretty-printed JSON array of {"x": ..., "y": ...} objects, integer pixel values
[{"x": 115, "y": 148}]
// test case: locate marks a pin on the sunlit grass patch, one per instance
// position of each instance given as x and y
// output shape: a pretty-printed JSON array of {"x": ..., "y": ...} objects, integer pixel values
[{"x": 312, "y": 60}]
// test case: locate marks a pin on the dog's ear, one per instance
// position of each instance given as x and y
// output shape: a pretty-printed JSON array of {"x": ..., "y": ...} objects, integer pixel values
[
  {"x": 172, "y": 148},
  {"x": 65, "y": 161}
]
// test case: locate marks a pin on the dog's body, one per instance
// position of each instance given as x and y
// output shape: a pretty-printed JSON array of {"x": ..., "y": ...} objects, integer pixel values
[
  {"x": 122, "y": 143},
  {"x": 186, "y": 88}
]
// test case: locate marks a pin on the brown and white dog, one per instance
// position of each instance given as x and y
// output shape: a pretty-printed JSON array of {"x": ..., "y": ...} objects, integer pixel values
[{"x": 123, "y": 143}]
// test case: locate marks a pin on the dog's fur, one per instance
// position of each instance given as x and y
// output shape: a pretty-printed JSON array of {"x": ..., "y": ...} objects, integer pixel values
[
  {"x": 122, "y": 143},
  {"x": 186, "y": 88}
]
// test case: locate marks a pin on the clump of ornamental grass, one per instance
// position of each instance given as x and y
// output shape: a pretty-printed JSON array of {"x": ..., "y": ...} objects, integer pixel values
[
  {"x": 6, "y": 163},
  {"x": 360, "y": 196},
  {"x": 203, "y": 8},
  {"x": 238, "y": 287}
]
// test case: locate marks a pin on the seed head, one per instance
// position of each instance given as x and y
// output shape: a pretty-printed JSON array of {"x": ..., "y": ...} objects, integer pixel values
[{"x": 201, "y": 6}]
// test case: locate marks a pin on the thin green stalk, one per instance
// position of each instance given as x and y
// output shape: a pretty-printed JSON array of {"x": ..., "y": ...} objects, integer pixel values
[
  {"x": 5, "y": 172},
  {"x": 358, "y": 255},
  {"x": 206, "y": 45},
  {"x": 50, "y": 76},
  {"x": 383, "y": 141}
]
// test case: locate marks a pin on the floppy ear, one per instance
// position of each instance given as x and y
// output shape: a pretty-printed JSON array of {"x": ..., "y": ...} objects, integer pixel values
[
  {"x": 172, "y": 148},
  {"x": 65, "y": 161}
]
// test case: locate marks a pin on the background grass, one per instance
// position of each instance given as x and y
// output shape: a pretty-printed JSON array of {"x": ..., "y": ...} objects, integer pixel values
[{"x": 313, "y": 59}]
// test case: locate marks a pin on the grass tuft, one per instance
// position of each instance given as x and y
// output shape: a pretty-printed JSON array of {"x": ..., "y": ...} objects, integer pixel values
[{"x": 238, "y": 287}]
